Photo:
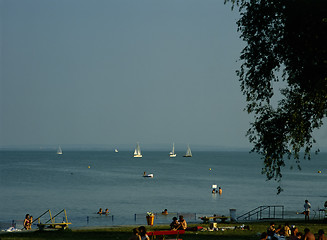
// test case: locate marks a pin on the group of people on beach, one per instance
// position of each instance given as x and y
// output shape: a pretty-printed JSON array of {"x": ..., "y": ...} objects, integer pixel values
[
  {"x": 28, "y": 222},
  {"x": 140, "y": 232},
  {"x": 179, "y": 224},
  {"x": 291, "y": 233},
  {"x": 103, "y": 212}
]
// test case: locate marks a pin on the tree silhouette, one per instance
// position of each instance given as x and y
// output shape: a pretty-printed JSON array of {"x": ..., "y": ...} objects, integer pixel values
[{"x": 286, "y": 43}]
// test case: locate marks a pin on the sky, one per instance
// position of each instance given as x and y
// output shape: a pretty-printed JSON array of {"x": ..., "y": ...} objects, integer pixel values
[{"x": 117, "y": 72}]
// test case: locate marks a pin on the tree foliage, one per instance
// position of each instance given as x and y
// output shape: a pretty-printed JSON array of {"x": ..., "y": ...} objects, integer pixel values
[{"x": 286, "y": 42}]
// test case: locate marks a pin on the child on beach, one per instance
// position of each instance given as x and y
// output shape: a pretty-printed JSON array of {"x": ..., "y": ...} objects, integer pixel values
[
  {"x": 31, "y": 221},
  {"x": 27, "y": 222}
]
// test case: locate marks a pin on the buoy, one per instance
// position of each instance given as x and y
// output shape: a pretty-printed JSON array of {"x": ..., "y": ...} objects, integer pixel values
[
  {"x": 210, "y": 169},
  {"x": 319, "y": 171},
  {"x": 88, "y": 167}
]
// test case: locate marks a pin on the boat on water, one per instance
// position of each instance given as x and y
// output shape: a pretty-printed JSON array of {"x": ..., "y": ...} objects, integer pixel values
[
  {"x": 150, "y": 175},
  {"x": 59, "y": 151},
  {"x": 172, "y": 153},
  {"x": 188, "y": 152},
  {"x": 116, "y": 150},
  {"x": 137, "y": 151}
]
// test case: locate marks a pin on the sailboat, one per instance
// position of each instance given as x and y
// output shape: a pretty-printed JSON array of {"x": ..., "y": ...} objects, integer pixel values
[
  {"x": 59, "y": 151},
  {"x": 137, "y": 151},
  {"x": 172, "y": 153},
  {"x": 188, "y": 152}
]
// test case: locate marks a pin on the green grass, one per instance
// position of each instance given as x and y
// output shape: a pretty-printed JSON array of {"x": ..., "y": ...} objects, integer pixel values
[{"x": 124, "y": 232}]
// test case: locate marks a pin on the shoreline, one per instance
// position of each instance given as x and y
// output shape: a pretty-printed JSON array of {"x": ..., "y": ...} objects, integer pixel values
[
  {"x": 191, "y": 224},
  {"x": 99, "y": 224},
  {"x": 224, "y": 231}
]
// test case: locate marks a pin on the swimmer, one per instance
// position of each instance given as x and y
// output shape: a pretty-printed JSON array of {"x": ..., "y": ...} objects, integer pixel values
[
  {"x": 100, "y": 211},
  {"x": 165, "y": 212}
]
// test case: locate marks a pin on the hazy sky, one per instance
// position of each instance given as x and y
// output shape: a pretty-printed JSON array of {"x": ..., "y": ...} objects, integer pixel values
[{"x": 115, "y": 72}]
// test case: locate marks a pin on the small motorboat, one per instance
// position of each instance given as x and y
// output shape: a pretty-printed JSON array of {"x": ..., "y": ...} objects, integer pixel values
[{"x": 148, "y": 175}]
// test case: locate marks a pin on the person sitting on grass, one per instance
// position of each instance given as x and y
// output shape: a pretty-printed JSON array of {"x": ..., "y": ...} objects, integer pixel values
[
  {"x": 299, "y": 235},
  {"x": 294, "y": 231},
  {"x": 174, "y": 224},
  {"x": 287, "y": 229},
  {"x": 308, "y": 235},
  {"x": 271, "y": 230},
  {"x": 182, "y": 223},
  {"x": 264, "y": 236},
  {"x": 321, "y": 235},
  {"x": 142, "y": 232},
  {"x": 136, "y": 234}
]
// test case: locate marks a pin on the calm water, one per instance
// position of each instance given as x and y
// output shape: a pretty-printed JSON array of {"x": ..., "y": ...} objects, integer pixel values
[{"x": 83, "y": 181}]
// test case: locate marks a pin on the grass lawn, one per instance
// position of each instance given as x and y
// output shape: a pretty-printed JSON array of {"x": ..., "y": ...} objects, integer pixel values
[{"x": 125, "y": 232}]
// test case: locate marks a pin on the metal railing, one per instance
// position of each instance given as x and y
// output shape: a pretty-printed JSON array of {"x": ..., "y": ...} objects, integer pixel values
[
  {"x": 166, "y": 217},
  {"x": 264, "y": 212}
]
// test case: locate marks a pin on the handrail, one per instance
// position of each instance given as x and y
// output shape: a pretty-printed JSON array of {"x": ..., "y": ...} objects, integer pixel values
[
  {"x": 260, "y": 210},
  {"x": 38, "y": 218},
  {"x": 53, "y": 218}
]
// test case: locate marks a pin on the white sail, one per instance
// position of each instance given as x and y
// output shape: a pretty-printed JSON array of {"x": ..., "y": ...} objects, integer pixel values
[
  {"x": 59, "y": 151},
  {"x": 188, "y": 152},
  {"x": 137, "y": 151},
  {"x": 172, "y": 153}
]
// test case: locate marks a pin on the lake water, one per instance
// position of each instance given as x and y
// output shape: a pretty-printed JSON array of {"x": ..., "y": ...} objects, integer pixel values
[{"x": 84, "y": 181}]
